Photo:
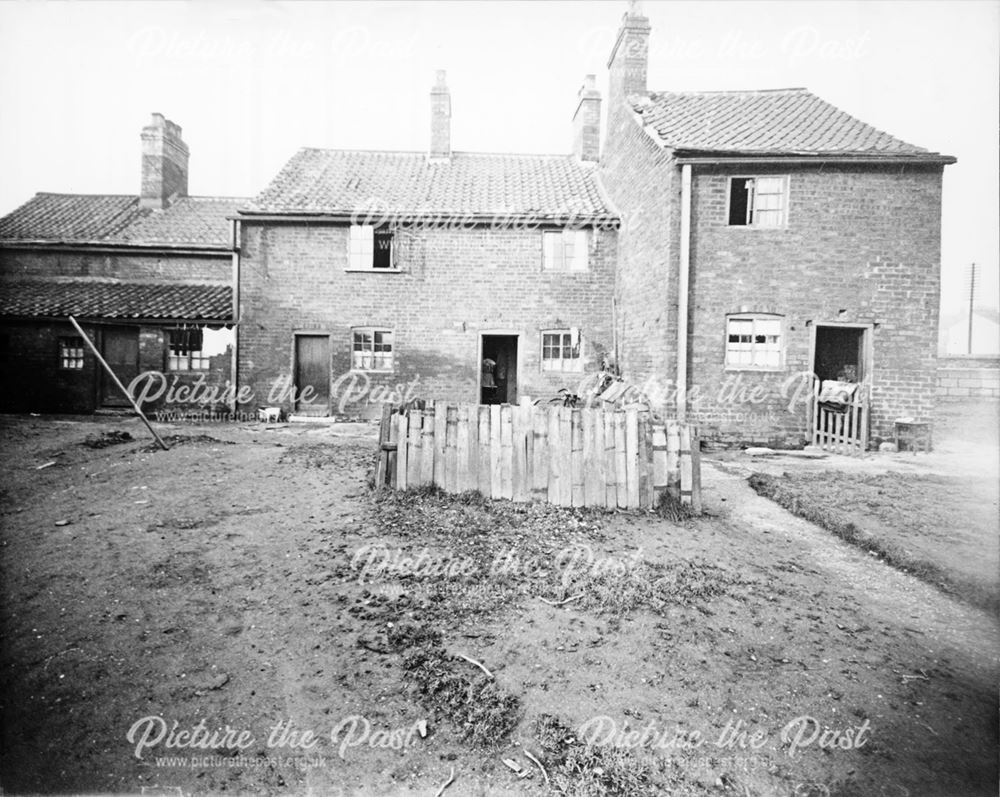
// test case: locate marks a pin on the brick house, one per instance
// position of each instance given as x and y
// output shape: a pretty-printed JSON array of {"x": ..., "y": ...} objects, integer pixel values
[
  {"x": 369, "y": 276},
  {"x": 148, "y": 276},
  {"x": 767, "y": 236}
]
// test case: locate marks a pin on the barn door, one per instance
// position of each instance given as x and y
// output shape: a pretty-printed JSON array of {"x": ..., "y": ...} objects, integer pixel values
[
  {"x": 841, "y": 363},
  {"x": 312, "y": 374},
  {"x": 120, "y": 349}
]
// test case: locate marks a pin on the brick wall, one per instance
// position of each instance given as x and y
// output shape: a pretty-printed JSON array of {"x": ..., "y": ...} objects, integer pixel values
[
  {"x": 34, "y": 264},
  {"x": 641, "y": 181},
  {"x": 453, "y": 286},
  {"x": 862, "y": 245},
  {"x": 964, "y": 377},
  {"x": 33, "y": 380}
]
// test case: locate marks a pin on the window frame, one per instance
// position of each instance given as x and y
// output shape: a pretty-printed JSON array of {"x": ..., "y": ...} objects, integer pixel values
[
  {"x": 204, "y": 361},
  {"x": 579, "y": 236},
  {"x": 754, "y": 318},
  {"x": 372, "y": 331},
  {"x": 785, "y": 195},
  {"x": 71, "y": 357},
  {"x": 356, "y": 263},
  {"x": 566, "y": 364}
]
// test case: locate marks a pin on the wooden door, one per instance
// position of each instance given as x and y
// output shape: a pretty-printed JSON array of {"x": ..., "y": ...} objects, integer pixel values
[
  {"x": 312, "y": 374},
  {"x": 120, "y": 348}
]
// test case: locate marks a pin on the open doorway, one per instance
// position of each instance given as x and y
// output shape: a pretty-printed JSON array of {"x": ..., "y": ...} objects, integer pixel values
[
  {"x": 498, "y": 370},
  {"x": 840, "y": 353}
]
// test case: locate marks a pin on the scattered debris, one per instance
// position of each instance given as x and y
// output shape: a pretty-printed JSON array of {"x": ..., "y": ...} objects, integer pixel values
[
  {"x": 473, "y": 661},
  {"x": 560, "y": 603},
  {"x": 105, "y": 439},
  {"x": 446, "y": 784},
  {"x": 538, "y": 763},
  {"x": 271, "y": 415},
  {"x": 516, "y": 768},
  {"x": 184, "y": 439},
  {"x": 46, "y": 465},
  {"x": 63, "y": 522}
]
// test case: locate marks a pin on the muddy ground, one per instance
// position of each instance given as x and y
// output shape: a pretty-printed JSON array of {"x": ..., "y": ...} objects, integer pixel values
[{"x": 236, "y": 580}]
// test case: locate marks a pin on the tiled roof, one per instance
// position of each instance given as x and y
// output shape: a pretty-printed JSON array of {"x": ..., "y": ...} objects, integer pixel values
[
  {"x": 783, "y": 121},
  {"x": 346, "y": 181},
  {"x": 189, "y": 220},
  {"x": 70, "y": 217},
  {"x": 53, "y": 298},
  {"x": 117, "y": 220}
]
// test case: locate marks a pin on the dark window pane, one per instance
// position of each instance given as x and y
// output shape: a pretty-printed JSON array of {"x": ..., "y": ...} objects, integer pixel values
[{"x": 739, "y": 200}]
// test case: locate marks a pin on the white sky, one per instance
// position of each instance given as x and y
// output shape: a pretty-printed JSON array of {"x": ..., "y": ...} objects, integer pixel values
[{"x": 251, "y": 82}]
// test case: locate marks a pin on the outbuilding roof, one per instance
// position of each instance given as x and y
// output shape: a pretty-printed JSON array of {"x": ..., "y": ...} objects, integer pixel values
[
  {"x": 112, "y": 299},
  {"x": 115, "y": 219}
]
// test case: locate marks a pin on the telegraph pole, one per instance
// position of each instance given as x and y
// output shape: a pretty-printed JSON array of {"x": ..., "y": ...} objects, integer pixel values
[{"x": 972, "y": 301}]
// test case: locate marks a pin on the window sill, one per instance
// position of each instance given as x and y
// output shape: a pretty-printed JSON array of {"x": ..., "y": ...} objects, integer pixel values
[
  {"x": 374, "y": 270},
  {"x": 390, "y": 371},
  {"x": 757, "y": 227},
  {"x": 757, "y": 369}
]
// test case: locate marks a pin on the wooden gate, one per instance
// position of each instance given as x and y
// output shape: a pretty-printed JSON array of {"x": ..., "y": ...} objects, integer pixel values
[
  {"x": 562, "y": 455},
  {"x": 841, "y": 430}
]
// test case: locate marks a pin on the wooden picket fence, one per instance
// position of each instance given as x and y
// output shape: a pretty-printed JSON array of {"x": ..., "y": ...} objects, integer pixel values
[
  {"x": 563, "y": 455},
  {"x": 841, "y": 431}
]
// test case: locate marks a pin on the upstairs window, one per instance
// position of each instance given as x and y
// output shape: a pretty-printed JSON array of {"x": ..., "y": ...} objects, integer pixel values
[
  {"x": 372, "y": 350},
  {"x": 564, "y": 250},
  {"x": 753, "y": 341},
  {"x": 71, "y": 353},
  {"x": 758, "y": 201},
  {"x": 371, "y": 247},
  {"x": 187, "y": 351},
  {"x": 561, "y": 350}
]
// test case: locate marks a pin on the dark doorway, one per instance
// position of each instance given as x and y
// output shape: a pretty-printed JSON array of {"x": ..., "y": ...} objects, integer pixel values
[
  {"x": 840, "y": 354},
  {"x": 498, "y": 377},
  {"x": 120, "y": 349},
  {"x": 312, "y": 374}
]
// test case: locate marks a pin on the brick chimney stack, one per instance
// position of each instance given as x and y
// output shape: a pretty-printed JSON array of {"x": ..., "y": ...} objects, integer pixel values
[
  {"x": 440, "y": 119},
  {"x": 164, "y": 163},
  {"x": 587, "y": 122},
  {"x": 628, "y": 63}
]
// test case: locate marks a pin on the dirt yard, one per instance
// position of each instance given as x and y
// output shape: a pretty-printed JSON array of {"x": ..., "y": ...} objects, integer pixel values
[{"x": 240, "y": 614}]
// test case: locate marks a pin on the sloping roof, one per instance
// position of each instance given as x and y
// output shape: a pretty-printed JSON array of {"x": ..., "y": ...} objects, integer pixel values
[
  {"x": 188, "y": 220},
  {"x": 110, "y": 299},
  {"x": 779, "y": 122},
  {"x": 323, "y": 181},
  {"x": 119, "y": 220},
  {"x": 70, "y": 217}
]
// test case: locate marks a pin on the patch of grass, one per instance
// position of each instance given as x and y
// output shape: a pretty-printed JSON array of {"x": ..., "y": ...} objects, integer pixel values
[
  {"x": 581, "y": 770},
  {"x": 670, "y": 507},
  {"x": 482, "y": 711},
  {"x": 902, "y": 519},
  {"x": 529, "y": 551}
]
